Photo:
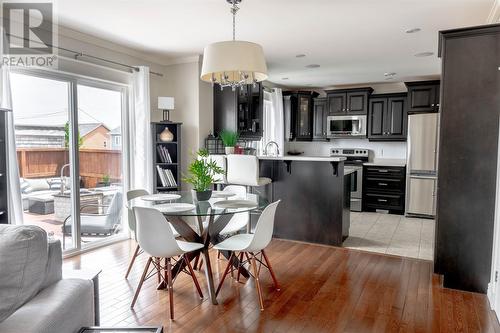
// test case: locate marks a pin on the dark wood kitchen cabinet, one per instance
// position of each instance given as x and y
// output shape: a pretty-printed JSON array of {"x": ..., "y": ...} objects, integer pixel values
[
  {"x": 384, "y": 188},
  {"x": 302, "y": 114},
  {"x": 320, "y": 112},
  {"x": 423, "y": 96},
  {"x": 348, "y": 101},
  {"x": 387, "y": 117},
  {"x": 240, "y": 110}
]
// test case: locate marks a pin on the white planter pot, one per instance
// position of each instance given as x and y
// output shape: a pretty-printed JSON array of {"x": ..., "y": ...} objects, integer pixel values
[{"x": 229, "y": 150}]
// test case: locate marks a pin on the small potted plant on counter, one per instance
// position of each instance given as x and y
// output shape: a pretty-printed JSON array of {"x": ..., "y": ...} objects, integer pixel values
[
  {"x": 202, "y": 174},
  {"x": 105, "y": 181},
  {"x": 229, "y": 139}
]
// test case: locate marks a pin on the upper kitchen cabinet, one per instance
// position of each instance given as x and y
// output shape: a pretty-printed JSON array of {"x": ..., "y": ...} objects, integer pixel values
[
  {"x": 348, "y": 101},
  {"x": 239, "y": 110},
  {"x": 423, "y": 96},
  {"x": 302, "y": 111},
  {"x": 320, "y": 112},
  {"x": 387, "y": 117}
]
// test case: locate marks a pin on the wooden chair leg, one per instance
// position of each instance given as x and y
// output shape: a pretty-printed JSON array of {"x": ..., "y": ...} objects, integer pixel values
[
  {"x": 196, "y": 259},
  {"x": 268, "y": 263},
  {"x": 195, "y": 280},
  {"x": 158, "y": 269},
  {"x": 141, "y": 281},
  {"x": 132, "y": 260},
  {"x": 224, "y": 275},
  {"x": 170, "y": 288},
  {"x": 257, "y": 283},
  {"x": 239, "y": 267}
]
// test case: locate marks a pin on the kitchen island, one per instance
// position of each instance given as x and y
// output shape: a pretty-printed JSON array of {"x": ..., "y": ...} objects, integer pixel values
[{"x": 315, "y": 197}]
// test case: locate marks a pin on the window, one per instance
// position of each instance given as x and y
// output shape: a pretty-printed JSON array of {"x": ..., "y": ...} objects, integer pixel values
[{"x": 55, "y": 164}]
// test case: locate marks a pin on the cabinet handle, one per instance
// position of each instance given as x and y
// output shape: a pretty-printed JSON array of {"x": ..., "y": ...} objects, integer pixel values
[
  {"x": 347, "y": 110},
  {"x": 343, "y": 109},
  {"x": 433, "y": 105},
  {"x": 437, "y": 104},
  {"x": 382, "y": 170},
  {"x": 382, "y": 184},
  {"x": 382, "y": 200}
]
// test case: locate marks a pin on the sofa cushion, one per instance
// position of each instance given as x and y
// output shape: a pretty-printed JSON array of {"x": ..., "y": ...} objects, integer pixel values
[
  {"x": 23, "y": 261},
  {"x": 25, "y": 186},
  {"x": 38, "y": 184},
  {"x": 63, "y": 307}
]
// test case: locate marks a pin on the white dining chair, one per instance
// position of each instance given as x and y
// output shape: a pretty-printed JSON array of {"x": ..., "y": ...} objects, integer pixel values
[
  {"x": 244, "y": 170},
  {"x": 133, "y": 194},
  {"x": 156, "y": 238},
  {"x": 251, "y": 245},
  {"x": 239, "y": 220}
]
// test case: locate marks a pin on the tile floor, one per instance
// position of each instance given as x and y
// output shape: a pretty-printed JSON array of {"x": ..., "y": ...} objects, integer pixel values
[{"x": 391, "y": 234}]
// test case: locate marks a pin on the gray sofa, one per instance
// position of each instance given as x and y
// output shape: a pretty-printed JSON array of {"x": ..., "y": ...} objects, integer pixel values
[
  {"x": 42, "y": 188},
  {"x": 35, "y": 297}
]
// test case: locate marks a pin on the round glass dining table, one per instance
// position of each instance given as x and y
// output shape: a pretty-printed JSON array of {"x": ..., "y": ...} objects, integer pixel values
[{"x": 211, "y": 217}]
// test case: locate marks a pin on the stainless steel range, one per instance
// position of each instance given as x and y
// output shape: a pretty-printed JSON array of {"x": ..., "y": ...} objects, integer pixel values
[{"x": 355, "y": 159}]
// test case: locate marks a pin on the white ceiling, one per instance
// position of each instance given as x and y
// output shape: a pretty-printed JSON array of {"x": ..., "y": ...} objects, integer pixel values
[{"x": 354, "y": 41}]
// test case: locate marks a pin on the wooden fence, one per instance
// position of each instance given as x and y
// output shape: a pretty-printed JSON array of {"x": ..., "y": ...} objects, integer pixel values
[{"x": 47, "y": 162}]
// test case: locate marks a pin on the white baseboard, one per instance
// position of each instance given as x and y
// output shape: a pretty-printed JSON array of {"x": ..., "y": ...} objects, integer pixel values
[{"x": 491, "y": 296}]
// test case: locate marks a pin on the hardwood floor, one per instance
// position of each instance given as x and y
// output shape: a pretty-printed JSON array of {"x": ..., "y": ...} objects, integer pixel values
[{"x": 323, "y": 289}]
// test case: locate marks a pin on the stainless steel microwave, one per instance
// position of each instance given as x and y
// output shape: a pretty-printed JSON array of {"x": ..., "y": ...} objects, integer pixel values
[{"x": 346, "y": 126}]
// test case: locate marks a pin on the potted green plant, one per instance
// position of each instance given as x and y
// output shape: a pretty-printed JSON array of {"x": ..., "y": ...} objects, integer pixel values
[
  {"x": 229, "y": 139},
  {"x": 105, "y": 181},
  {"x": 202, "y": 174}
]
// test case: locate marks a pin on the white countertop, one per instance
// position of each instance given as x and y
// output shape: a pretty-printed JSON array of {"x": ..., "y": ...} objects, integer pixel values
[
  {"x": 303, "y": 158},
  {"x": 387, "y": 162}
]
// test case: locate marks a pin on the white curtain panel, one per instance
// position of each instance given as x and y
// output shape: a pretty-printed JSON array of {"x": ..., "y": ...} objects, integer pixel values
[
  {"x": 13, "y": 184},
  {"x": 274, "y": 122},
  {"x": 140, "y": 132}
]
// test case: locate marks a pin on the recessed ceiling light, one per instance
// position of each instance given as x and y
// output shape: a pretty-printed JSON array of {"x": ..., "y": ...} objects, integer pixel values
[
  {"x": 412, "y": 30},
  {"x": 424, "y": 54},
  {"x": 313, "y": 66},
  {"x": 389, "y": 74},
  {"x": 389, "y": 78},
  {"x": 284, "y": 78},
  {"x": 300, "y": 55}
]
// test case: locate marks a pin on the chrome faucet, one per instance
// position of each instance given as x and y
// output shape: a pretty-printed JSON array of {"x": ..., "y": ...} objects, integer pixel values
[
  {"x": 62, "y": 178},
  {"x": 272, "y": 143}
]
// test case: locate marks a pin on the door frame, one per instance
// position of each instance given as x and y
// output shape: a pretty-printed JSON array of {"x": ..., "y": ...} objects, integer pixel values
[{"x": 74, "y": 80}]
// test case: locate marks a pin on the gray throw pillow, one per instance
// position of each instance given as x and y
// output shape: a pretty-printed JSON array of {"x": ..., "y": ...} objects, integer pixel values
[
  {"x": 25, "y": 186},
  {"x": 23, "y": 262}
]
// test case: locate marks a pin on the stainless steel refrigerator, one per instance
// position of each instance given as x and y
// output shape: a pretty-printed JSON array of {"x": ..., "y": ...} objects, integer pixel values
[{"x": 422, "y": 166}]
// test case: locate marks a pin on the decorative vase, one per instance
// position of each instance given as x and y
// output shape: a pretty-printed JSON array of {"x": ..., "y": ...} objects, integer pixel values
[
  {"x": 166, "y": 135},
  {"x": 202, "y": 195},
  {"x": 229, "y": 150}
]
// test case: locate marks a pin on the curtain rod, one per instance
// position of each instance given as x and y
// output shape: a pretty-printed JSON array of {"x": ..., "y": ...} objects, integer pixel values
[{"x": 78, "y": 54}]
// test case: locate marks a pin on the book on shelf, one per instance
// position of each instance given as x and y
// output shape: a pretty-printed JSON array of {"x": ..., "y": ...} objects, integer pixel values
[
  {"x": 164, "y": 154},
  {"x": 166, "y": 177}
]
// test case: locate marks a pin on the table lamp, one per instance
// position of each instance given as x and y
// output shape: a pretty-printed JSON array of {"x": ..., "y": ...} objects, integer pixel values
[{"x": 166, "y": 104}]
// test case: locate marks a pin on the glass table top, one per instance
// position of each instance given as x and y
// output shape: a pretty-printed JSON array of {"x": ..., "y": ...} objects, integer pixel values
[{"x": 218, "y": 204}]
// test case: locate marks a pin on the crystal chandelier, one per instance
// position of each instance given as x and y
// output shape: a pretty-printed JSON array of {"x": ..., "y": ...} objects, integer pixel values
[{"x": 233, "y": 63}]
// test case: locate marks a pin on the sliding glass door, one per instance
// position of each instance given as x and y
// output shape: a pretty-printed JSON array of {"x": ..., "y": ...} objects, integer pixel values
[{"x": 71, "y": 155}]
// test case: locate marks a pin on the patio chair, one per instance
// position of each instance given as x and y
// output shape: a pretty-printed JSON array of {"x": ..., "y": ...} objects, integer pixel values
[{"x": 104, "y": 224}]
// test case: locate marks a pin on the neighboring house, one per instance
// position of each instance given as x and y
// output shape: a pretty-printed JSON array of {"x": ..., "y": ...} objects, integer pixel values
[
  {"x": 94, "y": 136},
  {"x": 116, "y": 138},
  {"x": 31, "y": 136}
]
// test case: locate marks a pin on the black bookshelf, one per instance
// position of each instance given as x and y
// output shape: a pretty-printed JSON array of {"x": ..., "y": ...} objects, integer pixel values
[
  {"x": 4, "y": 216},
  {"x": 170, "y": 165}
]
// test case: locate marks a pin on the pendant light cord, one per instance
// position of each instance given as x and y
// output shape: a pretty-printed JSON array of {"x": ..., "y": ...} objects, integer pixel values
[{"x": 234, "y": 10}]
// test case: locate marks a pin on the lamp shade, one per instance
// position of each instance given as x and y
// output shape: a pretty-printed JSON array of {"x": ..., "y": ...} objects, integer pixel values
[
  {"x": 231, "y": 59},
  {"x": 166, "y": 103}
]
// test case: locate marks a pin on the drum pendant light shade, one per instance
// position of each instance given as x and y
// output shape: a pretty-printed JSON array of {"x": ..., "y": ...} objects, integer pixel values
[{"x": 234, "y": 61}]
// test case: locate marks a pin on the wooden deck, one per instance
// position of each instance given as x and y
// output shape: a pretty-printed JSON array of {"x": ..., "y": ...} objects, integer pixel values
[{"x": 323, "y": 289}]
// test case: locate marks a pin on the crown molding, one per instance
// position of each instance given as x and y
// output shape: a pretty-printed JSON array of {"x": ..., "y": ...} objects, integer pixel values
[
  {"x": 183, "y": 60},
  {"x": 494, "y": 16}
]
